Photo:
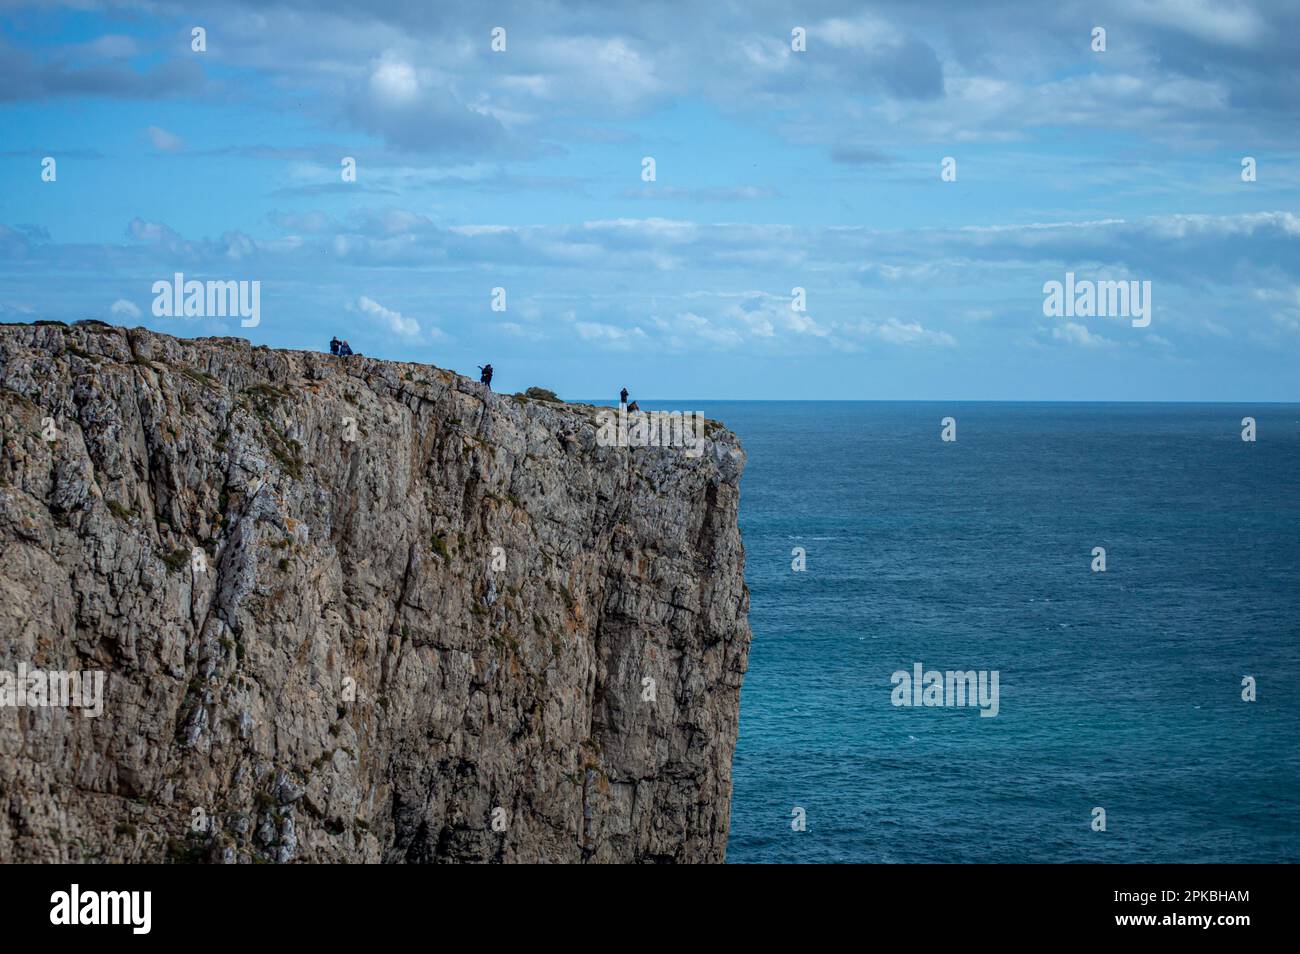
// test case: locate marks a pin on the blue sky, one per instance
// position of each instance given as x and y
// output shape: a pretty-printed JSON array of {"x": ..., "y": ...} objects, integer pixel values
[{"x": 775, "y": 169}]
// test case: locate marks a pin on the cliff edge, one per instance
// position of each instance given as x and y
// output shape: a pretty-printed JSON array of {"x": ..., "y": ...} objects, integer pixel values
[{"x": 354, "y": 610}]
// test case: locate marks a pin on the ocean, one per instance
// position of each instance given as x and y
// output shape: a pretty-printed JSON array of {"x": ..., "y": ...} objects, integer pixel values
[{"x": 1120, "y": 690}]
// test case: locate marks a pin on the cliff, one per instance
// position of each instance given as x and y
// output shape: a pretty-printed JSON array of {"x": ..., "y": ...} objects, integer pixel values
[{"x": 354, "y": 610}]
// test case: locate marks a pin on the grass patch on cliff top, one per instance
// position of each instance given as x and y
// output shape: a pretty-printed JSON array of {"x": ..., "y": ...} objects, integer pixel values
[
  {"x": 538, "y": 394},
  {"x": 94, "y": 327}
]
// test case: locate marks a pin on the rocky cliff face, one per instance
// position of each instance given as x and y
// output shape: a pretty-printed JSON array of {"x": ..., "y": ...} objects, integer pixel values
[{"x": 354, "y": 610}]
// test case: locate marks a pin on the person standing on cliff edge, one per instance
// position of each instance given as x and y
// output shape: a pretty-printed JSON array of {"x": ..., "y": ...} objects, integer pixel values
[
  {"x": 622, "y": 396},
  {"x": 486, "y": 376}
]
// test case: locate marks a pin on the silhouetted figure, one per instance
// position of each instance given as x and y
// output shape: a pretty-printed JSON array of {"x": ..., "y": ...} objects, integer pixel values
[
  {"x": 334, "y": 345},
  {"x": 632, "y": 407},
  {"x": 345, "y": 349},
  {"x": 622, "y": 396},
  {"x": 486, "y": 376}
]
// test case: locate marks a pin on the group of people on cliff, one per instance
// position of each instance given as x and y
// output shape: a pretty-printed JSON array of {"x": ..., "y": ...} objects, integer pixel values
[{"x": 342, "y": 349}]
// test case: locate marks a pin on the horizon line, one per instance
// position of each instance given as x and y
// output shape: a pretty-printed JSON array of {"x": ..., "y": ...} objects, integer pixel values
[{"x": 604, "y": 401}]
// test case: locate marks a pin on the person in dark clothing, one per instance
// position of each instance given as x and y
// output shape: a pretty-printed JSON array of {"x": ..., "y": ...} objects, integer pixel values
[
  {"x": 632, "y": 407},
  {"x": 486, "y": 376},
  {"x": 622, "y": 396},
  {"x": 334, "y": 345},
  {"x": 345, "y": 349}
]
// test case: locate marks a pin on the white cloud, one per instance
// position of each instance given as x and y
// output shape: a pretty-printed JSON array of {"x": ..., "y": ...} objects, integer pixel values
[
  {"x": 516, "y": 330},
  {"x": 394, "y": 321},
  {"x": 165, "y": 141},
  {"x": 893, "y": 331},
  {"x": 1076, "y": 334},
  {"x": 111, "y": 47},
  {"x": 1211, "y": 22},
  {"x": 124, "y": 309},
  {"x": 393, "y": 80},
  {"x": 604, "y": 332}
]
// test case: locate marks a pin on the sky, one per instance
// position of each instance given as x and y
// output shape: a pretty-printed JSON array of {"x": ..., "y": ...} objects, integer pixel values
[{"x": 775, "y": 168}]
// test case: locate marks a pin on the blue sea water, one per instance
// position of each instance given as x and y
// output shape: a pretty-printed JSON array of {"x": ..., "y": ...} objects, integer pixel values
[{"x": 1119, "y": 690}]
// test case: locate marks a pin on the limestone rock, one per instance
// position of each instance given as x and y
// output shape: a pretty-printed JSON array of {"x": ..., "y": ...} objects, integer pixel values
[{"x": 283, "y": 561}]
